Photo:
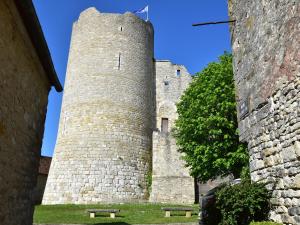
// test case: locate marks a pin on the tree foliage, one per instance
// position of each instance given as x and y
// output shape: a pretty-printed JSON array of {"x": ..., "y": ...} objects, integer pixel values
[{"x": 206, "y": 129}]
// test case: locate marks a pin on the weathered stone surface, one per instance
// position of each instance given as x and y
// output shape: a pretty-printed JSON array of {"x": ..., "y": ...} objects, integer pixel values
[
  {"x": 104, "y": 145},
  {"x": 265, "y": 41},
  {"x": 23, "y": 100},
  {"x": 286, "y": 219},
  {"x": 294, "y": 211},
  {"x": 296, "y": 183},
  {"x": 104, "y": 140},
  {"x": 171, "y": 182},
  {"x": 297, "y": 144}
]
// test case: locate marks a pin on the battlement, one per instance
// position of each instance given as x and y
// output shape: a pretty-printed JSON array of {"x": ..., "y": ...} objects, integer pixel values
[
  {"x": 176, "y": 67},
  {"x": 92, "y": 15}
]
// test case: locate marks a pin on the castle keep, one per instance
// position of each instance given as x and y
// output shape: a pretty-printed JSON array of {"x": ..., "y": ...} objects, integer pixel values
[
  {"x": 117, "y": 112},
  {"x": 265, "y": 44}
]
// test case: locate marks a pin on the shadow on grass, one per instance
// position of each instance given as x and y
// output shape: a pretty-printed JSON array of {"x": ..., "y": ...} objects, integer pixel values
[
  {"x": 183, "y": 215},
  {"x": 105, "y": 216}
]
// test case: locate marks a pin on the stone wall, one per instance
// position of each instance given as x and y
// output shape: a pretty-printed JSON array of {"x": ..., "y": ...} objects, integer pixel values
[
  {"x": 171, "y": 182},
  {"x": 265, "y": 42},
  {"x": 24, "y": 94},
  {"x": 39, "y": 188},
  {"x": 103, "y": 150},
  {"x": 44, "y": 167}
]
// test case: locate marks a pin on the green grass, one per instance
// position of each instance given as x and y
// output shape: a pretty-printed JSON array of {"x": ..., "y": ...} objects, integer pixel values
[
  {"x": 265, "y": 223},
  {"x": 130, "y": 214}
]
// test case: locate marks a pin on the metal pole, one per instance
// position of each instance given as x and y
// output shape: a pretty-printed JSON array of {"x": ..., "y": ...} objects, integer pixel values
[{"x": 212, "y": 23}]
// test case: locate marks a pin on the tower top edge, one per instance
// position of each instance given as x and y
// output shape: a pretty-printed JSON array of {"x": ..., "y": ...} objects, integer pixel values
[
  {"x": 172, "y": 64},
  {"x": 168, "y": 61},
  {"x": 162, "y": 60},
  {"x": 93, "y": 11}
]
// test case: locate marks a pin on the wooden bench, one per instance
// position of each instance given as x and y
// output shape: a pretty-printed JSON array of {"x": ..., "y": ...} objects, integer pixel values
[
  {"x": 112, "y": 212},
  {"x": 188, "y": 211}
]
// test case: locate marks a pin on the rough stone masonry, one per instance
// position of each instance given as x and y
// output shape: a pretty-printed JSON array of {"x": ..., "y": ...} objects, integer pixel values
[
  {"x": 104, "y": 147},
  {"x": 169, "y": 172},
  {"x": 266, "y": 49},
  {"x": 27, "y": 74}
]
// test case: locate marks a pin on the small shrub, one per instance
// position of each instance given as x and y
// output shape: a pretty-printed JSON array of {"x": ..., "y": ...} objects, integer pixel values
[{"x": 242, "y": 203}]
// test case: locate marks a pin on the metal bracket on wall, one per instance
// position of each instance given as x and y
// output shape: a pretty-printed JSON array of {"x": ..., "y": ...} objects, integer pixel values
[{"x": 213, "y": 23}]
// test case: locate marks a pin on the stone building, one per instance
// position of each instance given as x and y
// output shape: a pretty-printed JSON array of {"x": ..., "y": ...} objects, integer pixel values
[
  {"x": 104, "y": 147},
  {"x": 43, "y": 172},
  {"x": 27, "y": 74},
  {"x": 266, "y": 49},
  {"x": 168, "y": 168}
]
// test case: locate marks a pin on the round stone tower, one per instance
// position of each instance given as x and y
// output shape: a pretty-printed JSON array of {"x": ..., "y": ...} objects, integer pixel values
[{"x": 103, "y": 149}]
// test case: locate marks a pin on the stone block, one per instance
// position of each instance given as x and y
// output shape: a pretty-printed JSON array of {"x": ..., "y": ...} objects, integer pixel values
[
  {"x": 288, "y": 154},
  {"x": 188, "y": 214},
  {"x": 296, "y": 183},
  {"x": 269, "y": 151},
  {"x": 285, "y": 218},
  {"x": 297, "y": 219},
  {"x": 281, "y": 209},
  {"x": 297, "y": 146},
  {"x": 168, "y": 214},
  {"x": 256, "y": 165}
]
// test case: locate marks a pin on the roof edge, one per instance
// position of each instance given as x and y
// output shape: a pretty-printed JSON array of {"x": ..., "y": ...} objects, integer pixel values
[
  {"x": 173, "y": 64},
  {"x": 162, "y": 60},
  {"x": 34, "y": 30}
]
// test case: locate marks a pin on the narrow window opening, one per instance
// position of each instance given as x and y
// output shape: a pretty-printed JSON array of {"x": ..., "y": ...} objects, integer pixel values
[
  {"x": 121, "y": 28},
  {"x": 119, "y": 64},
  {"x": 197, "y": 190},
  {"x": 178, "y": 72},
  {"x": 164, "y": 125},
  {"x": 166, "y": 83}
]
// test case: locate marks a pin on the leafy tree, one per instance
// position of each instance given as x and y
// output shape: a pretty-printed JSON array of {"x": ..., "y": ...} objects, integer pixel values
[{"x": 206, "y": 129}]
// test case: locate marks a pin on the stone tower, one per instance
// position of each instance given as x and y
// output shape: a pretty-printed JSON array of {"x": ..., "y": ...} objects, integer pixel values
[
  {"x": 171, "y": 182},
  {"x": 103, "y": 149}
]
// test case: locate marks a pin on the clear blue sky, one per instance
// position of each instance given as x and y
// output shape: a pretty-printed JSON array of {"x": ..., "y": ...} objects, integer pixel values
[{"x": 175, "y": 38}]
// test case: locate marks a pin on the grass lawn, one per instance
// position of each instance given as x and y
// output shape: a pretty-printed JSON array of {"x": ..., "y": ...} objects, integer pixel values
[{"x": 130, "y": 214}]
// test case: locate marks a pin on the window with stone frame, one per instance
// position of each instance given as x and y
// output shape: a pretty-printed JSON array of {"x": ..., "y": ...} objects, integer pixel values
[{"x": 164, "y": 125}]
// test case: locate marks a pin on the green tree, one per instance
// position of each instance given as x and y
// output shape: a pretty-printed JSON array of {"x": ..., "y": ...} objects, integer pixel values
[{"x": 206, "y": 129}]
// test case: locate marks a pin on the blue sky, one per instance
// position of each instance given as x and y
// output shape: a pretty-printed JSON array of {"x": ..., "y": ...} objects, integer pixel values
[{"x": 175, "y": 38}]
